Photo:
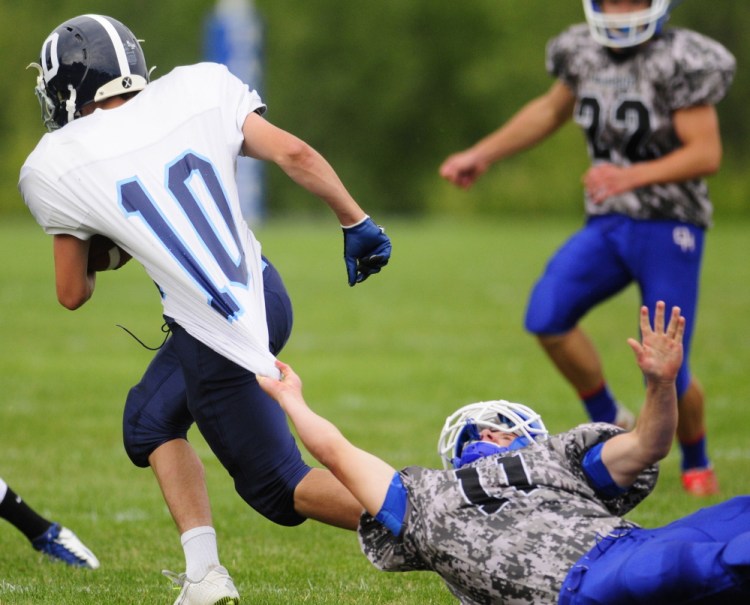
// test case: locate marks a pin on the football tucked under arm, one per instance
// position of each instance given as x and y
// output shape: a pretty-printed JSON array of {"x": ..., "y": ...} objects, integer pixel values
[{"x": 105, "y": 255}]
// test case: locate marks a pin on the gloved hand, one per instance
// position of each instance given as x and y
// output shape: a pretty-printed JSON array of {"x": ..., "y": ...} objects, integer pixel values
[{"x": 366, "y": 250}]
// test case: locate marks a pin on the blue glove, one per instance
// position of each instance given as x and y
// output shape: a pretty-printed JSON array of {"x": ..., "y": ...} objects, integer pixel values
[{"x": 366, "y": 250}]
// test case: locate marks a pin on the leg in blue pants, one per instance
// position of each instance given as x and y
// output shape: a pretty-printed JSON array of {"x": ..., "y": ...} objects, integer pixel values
[{"x": 703, "y": 559}]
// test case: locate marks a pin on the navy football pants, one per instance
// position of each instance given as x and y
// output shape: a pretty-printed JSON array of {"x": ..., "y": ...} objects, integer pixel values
[{"x": 188, "y": 382}]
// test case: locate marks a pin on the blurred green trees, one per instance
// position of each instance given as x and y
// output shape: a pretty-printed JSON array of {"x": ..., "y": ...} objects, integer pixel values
[{"x": 385, "y": 90}]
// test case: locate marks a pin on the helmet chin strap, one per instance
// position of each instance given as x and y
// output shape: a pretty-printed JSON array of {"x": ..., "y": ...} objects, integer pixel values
[{"x": 70, "y": 104}]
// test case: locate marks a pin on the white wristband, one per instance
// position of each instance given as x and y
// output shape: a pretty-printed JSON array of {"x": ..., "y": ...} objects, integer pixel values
[{"x": 357, "y": 223}]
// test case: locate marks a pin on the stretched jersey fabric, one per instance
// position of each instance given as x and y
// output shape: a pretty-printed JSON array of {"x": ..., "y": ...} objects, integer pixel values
[
  {"x": 625, "y": 104},
  {"x": 507, "y": 528},
  {"x": 157, "y": 176}
]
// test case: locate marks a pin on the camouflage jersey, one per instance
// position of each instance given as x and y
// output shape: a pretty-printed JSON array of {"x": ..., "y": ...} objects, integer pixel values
[
  {"x": 625, "y": 104},
  {"x": 508, "y": 527}
]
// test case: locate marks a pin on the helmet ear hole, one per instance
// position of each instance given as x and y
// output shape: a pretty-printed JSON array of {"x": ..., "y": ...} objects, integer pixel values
[{"x": 87, "y": 59}]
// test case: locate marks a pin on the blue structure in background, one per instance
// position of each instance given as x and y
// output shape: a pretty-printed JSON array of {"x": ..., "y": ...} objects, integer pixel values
[{"x": 234, "y": 37}]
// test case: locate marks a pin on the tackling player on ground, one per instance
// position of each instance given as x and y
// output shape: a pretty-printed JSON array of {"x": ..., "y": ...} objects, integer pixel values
[{"x": 535, "y": 519}]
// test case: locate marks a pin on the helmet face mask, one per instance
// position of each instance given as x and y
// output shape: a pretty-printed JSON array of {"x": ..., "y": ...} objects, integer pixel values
[
  {"x": 626, "y": 29},
  {"x": 461, "y": 430},
  {"x": 87, "y": 59}
]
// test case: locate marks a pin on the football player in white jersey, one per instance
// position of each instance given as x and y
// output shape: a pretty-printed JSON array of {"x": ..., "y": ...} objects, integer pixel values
[
  {"x": 151, "y": 166},
  {"x": 645, "y": 98},
  {"x": 524, "y": 517}
]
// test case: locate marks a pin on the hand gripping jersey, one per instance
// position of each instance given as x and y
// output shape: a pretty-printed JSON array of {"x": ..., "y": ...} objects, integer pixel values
[
  {"x": 156, "y": 175},
  {"x": 625, "y": 103},
  {"x": 507, "y": 528}
]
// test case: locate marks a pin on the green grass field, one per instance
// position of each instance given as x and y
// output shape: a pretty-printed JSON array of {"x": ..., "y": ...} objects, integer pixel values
[{"x": 386, "y": 361}]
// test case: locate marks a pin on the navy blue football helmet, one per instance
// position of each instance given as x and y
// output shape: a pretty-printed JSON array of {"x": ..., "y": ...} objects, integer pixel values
[
  {"x": 460, "y": 443},
  {"x": 87, "y": 59}
]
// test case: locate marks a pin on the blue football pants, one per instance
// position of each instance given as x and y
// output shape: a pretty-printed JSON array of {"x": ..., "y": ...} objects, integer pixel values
[
  {"x": 701, "y": 559},
  {"x": 606, "y": 255}
]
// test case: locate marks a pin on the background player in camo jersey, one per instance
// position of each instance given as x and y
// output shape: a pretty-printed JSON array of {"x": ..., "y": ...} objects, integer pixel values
[
  {"x": 151, "y": 166},
  {"x": 528, "y": 518},
  {"x": 645, "y": 96}
]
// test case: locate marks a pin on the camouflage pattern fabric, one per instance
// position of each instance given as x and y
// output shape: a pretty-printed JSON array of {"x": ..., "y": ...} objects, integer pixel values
[
  {"x": 507, "y": 528},
  {"x": 625, "y": 104}
]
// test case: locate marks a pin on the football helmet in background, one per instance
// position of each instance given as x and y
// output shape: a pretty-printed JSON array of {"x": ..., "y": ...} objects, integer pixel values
[
  {"x": 624, "y": 30},
  {"x": 86, "y": 59},
  {"x": 461, "y": 430}
]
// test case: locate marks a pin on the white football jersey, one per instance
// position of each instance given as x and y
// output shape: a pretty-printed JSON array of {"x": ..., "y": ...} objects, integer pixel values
[{"x": 157, "y": 176}]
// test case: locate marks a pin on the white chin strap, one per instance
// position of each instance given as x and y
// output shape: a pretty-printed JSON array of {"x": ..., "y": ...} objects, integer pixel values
[{"x": 70, "y": 104}]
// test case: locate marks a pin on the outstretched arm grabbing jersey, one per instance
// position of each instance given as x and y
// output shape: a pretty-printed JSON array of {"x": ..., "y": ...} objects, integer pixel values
[{"x": 659, "y": 356}]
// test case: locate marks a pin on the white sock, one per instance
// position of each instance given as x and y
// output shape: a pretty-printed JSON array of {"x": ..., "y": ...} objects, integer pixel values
[{"x": 201, "y": 552}]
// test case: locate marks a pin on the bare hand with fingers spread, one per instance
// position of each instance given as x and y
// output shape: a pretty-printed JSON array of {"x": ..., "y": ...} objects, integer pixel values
[{"x": 659, "y": 354}]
